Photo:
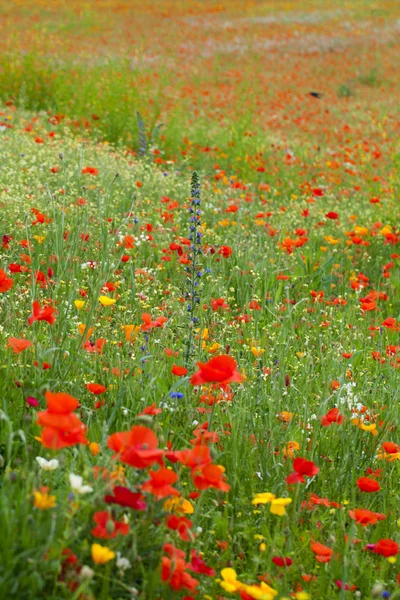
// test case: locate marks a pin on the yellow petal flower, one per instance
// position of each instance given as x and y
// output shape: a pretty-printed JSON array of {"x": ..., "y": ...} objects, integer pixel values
[
  {"x": 230, "y": 582},
  {"x": 101, "y": 554},
  {"x": 278, "y": 506},
  {"x": 178, "y": 505},
  {"x": 43, "y": 501},
  {"x": 263, "y": 498},
  {"x": 106, "y": 301},
  {"x": 79, "y": 304}
]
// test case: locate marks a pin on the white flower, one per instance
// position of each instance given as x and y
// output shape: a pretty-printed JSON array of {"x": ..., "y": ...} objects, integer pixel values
[
  {"x": 86, "y": 573},
  {"x": 122, "y": 563},
  {"x": 76, "y": 484},
  {"x": 48, "y": 465}
]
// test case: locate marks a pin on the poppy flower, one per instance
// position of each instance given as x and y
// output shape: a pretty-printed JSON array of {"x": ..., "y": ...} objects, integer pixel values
[
  {"x": 332, "y": 416},
  {"x": 137, "y": 447},
  {"x": 6, "y": 283},
  {"x": 181, "y": 525},
  {"x": 173, "y": 572},
  {"x": 225, "y": 251},
  {"x": 61, "y": 426},
  {"x": 219, "y": 369},
  {"x": 106, "y": 527},
  {"x": 96, "y": 388},
  {"x": 282, "y": 561},
  {"x": 386, "y": 547},
  {"x": 90, "y": 171},
  {"x": 210, "y": 476},
  {"x": 124, "y": 497},
  {"x": 332, "y": 215},
  {"x": 18, "y": 345},
  {"x": 42, "y": 314},
  {"x": 366, "y": 484},
  {"x": 323, "y": 554},
  {"x": 302, "y": 468},
  {"x": 179, "y": 371},
  {"x": 366, "y": 517},
  {"x": 199, "y": 456},
  {"x": 197, "y": 565},
  {"x": 160, "y": 483}
]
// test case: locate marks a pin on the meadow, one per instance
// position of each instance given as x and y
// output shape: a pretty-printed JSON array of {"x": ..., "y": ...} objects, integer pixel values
[{"x": 199, "y": 300}]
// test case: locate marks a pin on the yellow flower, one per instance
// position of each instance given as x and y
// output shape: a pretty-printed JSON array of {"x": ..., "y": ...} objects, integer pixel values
[
  {"x": 262, "y": 592},
  {"x": 178, "y": 505},
  {"x": 263, "y": 498},
  {"x": 39, "y": 238},
  {"x": 302, "y": 596},
  {"x": 79, "y": 304},
  {"x": 43, "y": 501},
  {"x": 257, "y": 352},
  {"x": 214, "y": 348},
  {"x": 230, "y": 582},
  {"x": 101, "y": 554},
  {"x": 106, "y": 301},
  {"x": 385, "y": 230},
  {"x": 361, "y": 425},
  {"x": 278, "y": 506}
]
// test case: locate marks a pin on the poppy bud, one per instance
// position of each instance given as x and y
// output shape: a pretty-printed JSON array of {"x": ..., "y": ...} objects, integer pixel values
[{"x": 110, "y": 527}]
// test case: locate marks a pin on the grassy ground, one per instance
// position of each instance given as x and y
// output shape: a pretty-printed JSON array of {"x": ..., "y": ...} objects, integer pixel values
[{"x": 297, "y": 280}]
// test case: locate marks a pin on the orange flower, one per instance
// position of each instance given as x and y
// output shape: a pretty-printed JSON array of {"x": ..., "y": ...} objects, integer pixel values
[
  {"x": 323, "y": 554},
  {"x": 18, "y": 345}
]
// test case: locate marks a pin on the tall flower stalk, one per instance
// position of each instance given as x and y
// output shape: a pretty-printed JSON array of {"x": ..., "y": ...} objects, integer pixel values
[{"x": 193, "y": 269}]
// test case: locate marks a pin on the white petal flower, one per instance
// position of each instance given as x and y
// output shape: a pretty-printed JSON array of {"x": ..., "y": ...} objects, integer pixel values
[
  {"x": 48, "y": 465},
  {"x": 76, "y": 484}
]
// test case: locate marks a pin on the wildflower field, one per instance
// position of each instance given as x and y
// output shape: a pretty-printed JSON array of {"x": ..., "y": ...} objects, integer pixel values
[{"x": 199, "y": 300}]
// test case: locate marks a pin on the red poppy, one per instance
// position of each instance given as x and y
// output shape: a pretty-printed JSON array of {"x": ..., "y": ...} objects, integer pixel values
[
  {"x": 181, "y": 525},
  {"x": 174, "y": 573},
  {"x": 198, "y": 565},
  {"x": 390, "y": 447},
  {"x": 124, "y": 497},
  {"x": 225, "y": 251},
  {"x": 386, "y": 547},
  {"x": 366, "y": 517},
  {"x": 42, "y": 314},
  {"x": 151, "y": 410},
  {"x": 199, "y": 456},
  {"x": 332, "y": 215},
  {"x": 160, "y": 483},
  {"x": 5, "y": 282},
  {"x": 302, "y": 468},
  {"x": 106, "y": 527},
  {"x": 61, "y": 426},
  {"x": 210, "y": 476},
  {"x": 179, "y": 371},
  {"x": 137, "y": 447},
  {"x": 282, "y": 561},
  {"x": 90, "y": 171},
  {"x": 18, "y": 345},
  {"x": 219, "y": 369},
  {"x": 332, "y": 416},
  {"x": 96, "y": 388},
  {"x": 366, "y": 484},
  {"x": 323, "y": 554},
  {"x": 149, "y": 324}
]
